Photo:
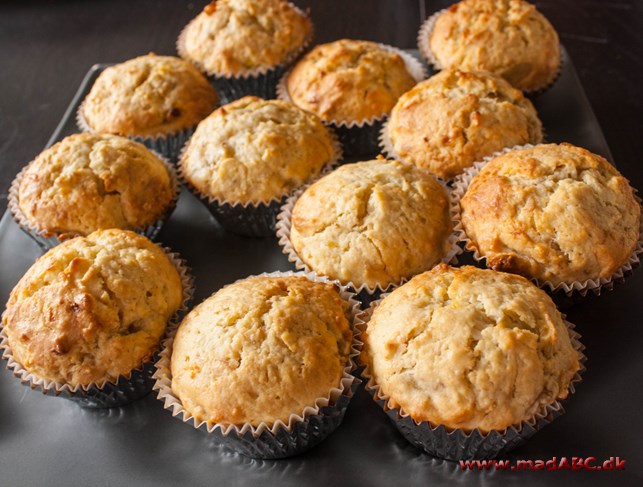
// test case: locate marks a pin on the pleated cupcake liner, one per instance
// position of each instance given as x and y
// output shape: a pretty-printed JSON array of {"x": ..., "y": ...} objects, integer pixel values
[
  {"x": 573, "y": 291},
  {"x": 260, "y": 81},
  {"x": 47, "y": 240},
  {"x": 108, "y": 393},
  {"x": 302, "y": 431},
  {"x": 424, "y": 35},
  {"x": 360, "y": 137},
  {"x": 365, "y": 293},
  {"x": 456, "y": 444},
  {"x": 250, "y": 219},
  {"x": 167, "y": 145}
]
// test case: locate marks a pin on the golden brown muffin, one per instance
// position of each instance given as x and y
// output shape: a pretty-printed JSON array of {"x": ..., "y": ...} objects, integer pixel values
[
  {"x": 510, "y": 38},
  {"x": 148, "y": 96},
  {"x": 88, "y": 182},
  {"x": 456, "y": 118},
  {"x": 233, "y": 37},
  {"x": 254, "y": 150},
  {"x": 556, "y": 213},
  {"x": 349, "y": 81},
  {"x": 469, "y": 348},
  {"x": 93, "y": 308},
  {"x": 374, "y": 222},
  {"x": 260, "y": 350}
]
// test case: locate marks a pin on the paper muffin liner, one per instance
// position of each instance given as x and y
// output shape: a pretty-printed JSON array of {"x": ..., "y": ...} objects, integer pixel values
[
  {"x": 574, "y": 290},
  {"x": 167, "y": 145},
  {"x": 108, "y": 393},
  {"x": 365, "y": 293},
  {"x": 360, "y": 137},
  {"x": 457, "y": 444},
  {"x": 250, "y": 219},
  {"x": 303, "y": 430},
  {"x": 260, "y": 81},
  {"x": 424, "y": 34},
  {"x": 47, "y": 240}
]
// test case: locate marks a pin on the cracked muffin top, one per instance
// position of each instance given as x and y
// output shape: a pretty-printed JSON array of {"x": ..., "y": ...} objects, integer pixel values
[
  {"x": 88, "y": 182},
  {"x": 373, "y": 222},
  {"x": 556, "y": 213},
  {"x": 148, "y": 96},
  {"x": 509, "y": 38},
  {"x": 93, "y": 308},
  {"x": 234, "y": 37},
  {"x": 260, "y": 350},
  {"x": 349, "y": 81},
  {"x": 456, "y": 118},
  {"x": 254, "y": 150},
  {"x": 469, "y": 348}
]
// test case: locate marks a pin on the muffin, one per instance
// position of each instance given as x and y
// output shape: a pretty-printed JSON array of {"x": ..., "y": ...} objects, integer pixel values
[
  {"x": 264, "y": 355},
  {"x": 509, "y": 38},
  {"x": 464, "y": 350},
  {"x": 90, "y": 313},
  {"x": 555, "y": 213},
  {"x": 157, "y": 100},
  {"x": 247, "y": 156},
  {"x": 351, "y": 84},
  {"x": 370, "y": 224},
  {"x": 89, "y": 182},
  {"x": 245, "y": 45},
  {"x": 456, "y": 118}
]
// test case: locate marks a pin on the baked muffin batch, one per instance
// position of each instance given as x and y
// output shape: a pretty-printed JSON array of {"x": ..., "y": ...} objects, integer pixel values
[{"x": 467, "y": 362}]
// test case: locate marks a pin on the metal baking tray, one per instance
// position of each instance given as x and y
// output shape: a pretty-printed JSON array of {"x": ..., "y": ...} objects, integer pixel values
[{"x": 52, "y": 441}]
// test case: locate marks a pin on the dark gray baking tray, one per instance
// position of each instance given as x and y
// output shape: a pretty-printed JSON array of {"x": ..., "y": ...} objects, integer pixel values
[{"x": 51, "y": 441}]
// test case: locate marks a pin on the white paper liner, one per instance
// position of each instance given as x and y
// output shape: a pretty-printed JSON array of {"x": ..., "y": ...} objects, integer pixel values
[
  {"x": 346, "y": 388},
  {"x": 284, "y": 224},
  {"x": 48, "y": 240},
  {"x": 424, "y": 34},
  {"x": 108, "y": 393},
  {"x": 458, "y": 444},
  {"x": 252, "y": 219},
  {"x": 460, "y": 186}
]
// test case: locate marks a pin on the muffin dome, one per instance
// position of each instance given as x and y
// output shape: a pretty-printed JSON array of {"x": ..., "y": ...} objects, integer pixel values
[
  {"x": 509, "y": 38},
  {"x": 260, "y": 350},
  {"x": 89, "y": 182},
  {"x": 349, "y": 81},
  {"x": 233, "y": 37},
  {"x": 469, "y": 348},
  {"x": 456, "y": 118},
  {"x": 93, "y": 308},
  {"x": 254, "y": 150},
  {"x": 556, "y": 213},
  {"x": 374, "y": 222},
  {"x": 148, "y": 96}
]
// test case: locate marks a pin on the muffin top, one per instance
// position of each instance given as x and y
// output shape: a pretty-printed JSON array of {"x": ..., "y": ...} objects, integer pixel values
[
  {"x": 260, "y": 350},
  {"x": 373, "y": 222},
  {"x": 456, "y": 118},
  {"x": 469, "y": 348},
  {"x": 93, "y": 308},
  {"x": 510, "y": 38},
  {"x": 148, "y": 96},
  {"x": 254, "y": 150},
  {"x": 349, "y": 81},
  {"x": 88, "y": 182},
  {"x": 234, "y": 37},
  {"x": 556, "y": 213}
]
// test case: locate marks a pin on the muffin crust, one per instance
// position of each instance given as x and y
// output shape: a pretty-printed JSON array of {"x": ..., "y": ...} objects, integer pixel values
[
  {"x": 469, "y": 348},
  {"x": 92, "y": 308},
  {"x": 260, "y": 350},
  {"x": 89, "y": 182},
  {"x": 456, "y": 118},
  {"x": 148, "y": 96},
  {"x": 556, "y": 213}
]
